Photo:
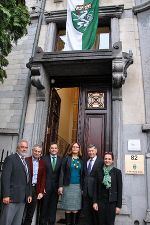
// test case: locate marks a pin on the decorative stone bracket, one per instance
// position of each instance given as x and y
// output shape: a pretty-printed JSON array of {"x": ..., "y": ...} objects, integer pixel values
[
  {"x": 120, "y": 65},
  {"x": 35, "y": 68},
  {"x": 36, "y": 79}
]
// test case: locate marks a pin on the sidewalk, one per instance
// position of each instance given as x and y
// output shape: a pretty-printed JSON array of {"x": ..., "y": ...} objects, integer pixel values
[{"x": 60, "y": 217}]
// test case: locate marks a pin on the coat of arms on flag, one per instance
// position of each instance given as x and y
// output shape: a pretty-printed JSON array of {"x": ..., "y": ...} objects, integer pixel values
[{"x": 81, "y": 26}]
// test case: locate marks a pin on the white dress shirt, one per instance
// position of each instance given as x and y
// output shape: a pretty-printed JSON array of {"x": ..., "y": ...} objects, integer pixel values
[{"x": 93, "y": 161}]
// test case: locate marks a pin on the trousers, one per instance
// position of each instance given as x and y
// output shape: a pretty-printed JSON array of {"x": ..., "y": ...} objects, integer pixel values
[{"x": 12, "y": 214}]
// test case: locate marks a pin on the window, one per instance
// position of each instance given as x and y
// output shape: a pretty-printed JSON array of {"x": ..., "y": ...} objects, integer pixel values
[{"x": 102, "y": 38}]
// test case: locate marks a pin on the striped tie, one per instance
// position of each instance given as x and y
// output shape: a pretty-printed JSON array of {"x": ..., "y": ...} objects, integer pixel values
[
  {"x": 90, "y": 166},
  {"x": 25, "y": 167}
]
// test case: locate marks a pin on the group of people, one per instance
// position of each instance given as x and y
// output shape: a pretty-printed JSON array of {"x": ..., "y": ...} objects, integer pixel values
[{"x": 92, "y": 186}]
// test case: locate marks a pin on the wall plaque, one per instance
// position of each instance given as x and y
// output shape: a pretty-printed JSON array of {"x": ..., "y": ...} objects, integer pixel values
[
  {"x": 134, "y": 145},
  {"x": 134, "y": 164}
]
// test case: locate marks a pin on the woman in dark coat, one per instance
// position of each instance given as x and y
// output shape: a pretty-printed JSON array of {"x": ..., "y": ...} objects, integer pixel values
[
  {"x": 70, "y": 183},
  {"x": 108, "y": 192}
]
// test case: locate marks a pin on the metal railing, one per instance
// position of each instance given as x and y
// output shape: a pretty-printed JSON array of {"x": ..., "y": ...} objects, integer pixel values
[{"x": 3, "y": 154}]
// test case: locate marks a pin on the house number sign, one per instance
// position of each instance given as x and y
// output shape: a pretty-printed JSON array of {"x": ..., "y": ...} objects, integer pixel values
[{"x": 134, "y": 164}]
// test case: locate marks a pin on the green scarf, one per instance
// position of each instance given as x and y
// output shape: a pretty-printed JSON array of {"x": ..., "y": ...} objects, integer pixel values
[{"x": 107, "y": 177}]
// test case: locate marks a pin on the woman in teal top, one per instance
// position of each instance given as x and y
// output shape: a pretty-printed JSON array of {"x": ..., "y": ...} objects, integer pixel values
[{"x": 70, "y": 183}]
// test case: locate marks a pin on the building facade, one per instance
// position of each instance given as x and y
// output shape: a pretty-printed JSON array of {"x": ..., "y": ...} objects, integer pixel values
[{"x": 99, "y": 96}]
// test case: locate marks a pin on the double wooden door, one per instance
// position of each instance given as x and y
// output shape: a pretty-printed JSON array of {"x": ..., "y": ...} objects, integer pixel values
[{"x": 94, "y": 118}]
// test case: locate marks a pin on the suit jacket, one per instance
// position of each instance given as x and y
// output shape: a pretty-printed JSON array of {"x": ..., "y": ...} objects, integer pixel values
[
  {"x": 52, "y": 177},
  {"x": 41, "y": 176},
  {"x": 65, "y": 174},
  {"x": 89, "y": 180},
  {"x": 114, "y": 192},
  {"x": 14, "y": 180}
]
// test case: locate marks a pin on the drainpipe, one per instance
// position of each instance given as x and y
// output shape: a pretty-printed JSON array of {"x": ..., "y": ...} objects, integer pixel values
[
  {"x": 38, "y": 26},
  {"x": 27, "y": 89}
]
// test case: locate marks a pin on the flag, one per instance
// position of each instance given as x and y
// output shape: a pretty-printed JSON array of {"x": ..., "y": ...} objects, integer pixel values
[{"x": 81, "y": 25}]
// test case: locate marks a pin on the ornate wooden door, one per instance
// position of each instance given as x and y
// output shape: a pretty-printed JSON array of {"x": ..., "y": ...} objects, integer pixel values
[{"x": 94, "y": 119}]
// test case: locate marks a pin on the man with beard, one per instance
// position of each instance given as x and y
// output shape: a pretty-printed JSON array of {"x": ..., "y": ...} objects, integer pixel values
[{"x": 16, "y": 186}]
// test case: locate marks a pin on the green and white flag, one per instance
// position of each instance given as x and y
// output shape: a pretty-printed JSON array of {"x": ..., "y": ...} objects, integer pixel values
[{"x": 81, "y": 26}]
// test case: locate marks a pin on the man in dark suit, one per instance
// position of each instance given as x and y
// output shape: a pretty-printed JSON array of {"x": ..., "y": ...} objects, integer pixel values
[
  {"x": 38, "y": 178},
  {"x": 16, "y": 186},
  {"x": 50, "y": 199},
  {"x": 91, "y": 165}
]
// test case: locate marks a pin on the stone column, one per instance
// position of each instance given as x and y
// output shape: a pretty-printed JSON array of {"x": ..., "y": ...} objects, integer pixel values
[
  {"x": 117, "y": 122},
  {"x": 39, "y": 80},
  {"x": 146, "y": 128},
  {"x": 42, "y": 97},
  {"x": 115, "y": 35},
  {"x": 39, "y": 111},
  {"x": 116, "y": 99},
  {"x": 50, "y": 37}
]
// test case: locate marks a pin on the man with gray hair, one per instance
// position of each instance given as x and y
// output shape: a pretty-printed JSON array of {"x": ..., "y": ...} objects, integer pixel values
[
  {"x": 91, "y": 165},
  {"x": 16, "y": 186},
  {"x": 38, "y": 179}
]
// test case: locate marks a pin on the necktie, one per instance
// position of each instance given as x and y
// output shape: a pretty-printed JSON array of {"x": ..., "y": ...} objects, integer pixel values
[
  {"x": 25, "y": 167},
  {"x": 53, "y": 162},
  {"x": 90, "y": 166}
]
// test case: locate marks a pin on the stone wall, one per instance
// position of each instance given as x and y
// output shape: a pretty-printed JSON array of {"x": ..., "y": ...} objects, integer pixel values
[{"x": 14, "y": 91}]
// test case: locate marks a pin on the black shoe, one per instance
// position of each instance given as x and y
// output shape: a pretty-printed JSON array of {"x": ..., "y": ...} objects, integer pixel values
[
  {"x": 74, "y": 219},
  {"x": 68, "y": 218}
]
